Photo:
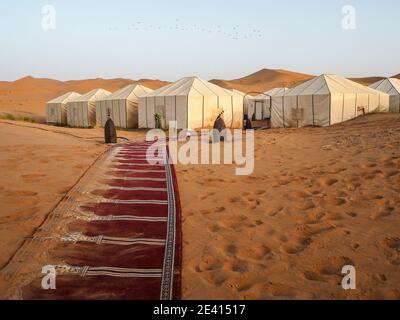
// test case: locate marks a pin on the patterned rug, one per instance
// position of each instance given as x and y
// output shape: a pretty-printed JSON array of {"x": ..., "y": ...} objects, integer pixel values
[{"x": 127, "y": 242}]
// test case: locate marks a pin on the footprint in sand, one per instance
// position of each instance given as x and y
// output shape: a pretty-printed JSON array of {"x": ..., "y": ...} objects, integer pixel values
[
  {"x": 306, "y": 205},
  {"x": 230, "y": 250},
  {"x": 33, "y": 176},
  {"x": 284, "y": 291},
  {"x": 312, "y": 276},
  {"x": 298, "y": 195},
  {"x": 334, "y": 200},
  {"x": 313, "y": 217},
  {"x": 23, "y": 193},
  {"x": 352, "y": 214},
  {"x": 207, "y": 195},
  {"x": 329, "y": 270},
  {"x": 334, "y": 265},
  {"x": 327, "y": 182},
  {"x": 236, "y": 199},
  {"x": 337, "y": 170},
  {"x": 391, "y": 247},
  {"x": 381, "y": 212},
  {"x": 214, "y": 228},
  {"x": 273, "y": 211},
  {"x": 389, "y": 173},
  {"x": 314, "y": 229},
  {"x": 237, "y": 265},
  {"x": 20, "y": 215},
  {"x": 209, "y": 263},
  {"x": 239, "y": 283},
  {"x": 353, "y": 186},
  {"x": 256, "y": 252},
  {"x": 260, "y": 192},
  {"x": 368, "y": 165},
  {"x": 297, "y": 245}
]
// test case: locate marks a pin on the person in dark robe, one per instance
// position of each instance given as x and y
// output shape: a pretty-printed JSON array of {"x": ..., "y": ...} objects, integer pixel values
[
  {"x": 248, "y": 125},
  {"x": 219, "y": 126},
  {"x": 110, "y": 133}
]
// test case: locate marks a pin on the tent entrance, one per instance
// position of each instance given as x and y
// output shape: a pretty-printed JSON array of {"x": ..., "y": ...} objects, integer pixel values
[
  {"x": 75, "y": 116},
  {"x": 259, "y": 110}
]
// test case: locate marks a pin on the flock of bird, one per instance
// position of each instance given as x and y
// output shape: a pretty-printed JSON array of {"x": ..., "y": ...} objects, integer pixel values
[{"x": 234, "y": 32}]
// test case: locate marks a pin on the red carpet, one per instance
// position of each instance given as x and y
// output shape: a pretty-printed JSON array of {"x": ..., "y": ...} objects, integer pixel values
[{"x": 133, "y": 249}]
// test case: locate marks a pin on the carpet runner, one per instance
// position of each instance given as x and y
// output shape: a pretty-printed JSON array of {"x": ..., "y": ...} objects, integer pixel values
[{"x": 130, "y": 246}]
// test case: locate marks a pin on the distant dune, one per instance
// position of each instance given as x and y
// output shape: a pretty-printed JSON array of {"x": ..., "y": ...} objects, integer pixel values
[
  {"x": 27, "y": 96},
  {"x": 367, "y": 81},
  {"x": 264, "y": 80}
]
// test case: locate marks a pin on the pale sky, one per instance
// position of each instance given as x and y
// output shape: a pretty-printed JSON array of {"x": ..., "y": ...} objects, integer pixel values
[{"x": 211, "y": 39}]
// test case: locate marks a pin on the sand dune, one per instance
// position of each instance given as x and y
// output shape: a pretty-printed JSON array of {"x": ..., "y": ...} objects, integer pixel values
[
  {"x": 367, "y": 81},
  {"x": 264, "y": 80},
  {"x": 27, "y": 96}
]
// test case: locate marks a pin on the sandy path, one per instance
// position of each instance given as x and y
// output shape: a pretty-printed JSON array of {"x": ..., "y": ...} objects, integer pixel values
[
  {"x": 37, "y": 169},
  {"x": 319, "y": 198},
  {"x": 38, "y": 165}
]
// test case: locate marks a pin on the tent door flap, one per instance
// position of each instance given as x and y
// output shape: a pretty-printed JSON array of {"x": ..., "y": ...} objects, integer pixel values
[{"x": 259, "y": 110}]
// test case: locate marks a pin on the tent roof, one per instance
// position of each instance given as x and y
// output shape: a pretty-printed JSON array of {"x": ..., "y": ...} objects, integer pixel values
[
  {"x": 267, "y": 94},
  {"x": 326, "y": 84},
  {"x": 95, "y": 94},
  {"x": 131, "y": 92},
  {"x": 389, "y": 85},
  {"x": 237, "y": 92},
  {"x": 191, "y": 86},
  {"x": 276, "y": 91},
  {"x": 65, "y": 97}
]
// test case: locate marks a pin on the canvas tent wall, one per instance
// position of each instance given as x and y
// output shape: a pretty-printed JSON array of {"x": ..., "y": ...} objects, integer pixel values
[
  {"x": 391, "y": 86},
  {"x": 192, "y": 102},
  {"x": 259, "y": 107},
  {"x": 122, "y": 106},
  {"x": 56, "y": 109},
  {"x": 81, "y": 112},
  {"x": 324, "y": 101}
]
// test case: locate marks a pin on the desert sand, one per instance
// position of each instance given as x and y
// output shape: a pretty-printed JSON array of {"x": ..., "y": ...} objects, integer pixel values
[
  {"x": 319, "y": 199},
  {"x": 39, "y": 164}
]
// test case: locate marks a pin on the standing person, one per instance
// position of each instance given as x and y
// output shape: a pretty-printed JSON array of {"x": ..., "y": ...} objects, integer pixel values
[{"x": 110, "y": 133}]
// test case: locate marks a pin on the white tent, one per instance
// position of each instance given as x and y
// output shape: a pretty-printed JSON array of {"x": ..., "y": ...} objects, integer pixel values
[
  {"x": 324, "y": 101},
  {"x": 192, "y": 102},
  {"x": 122, "y": 106},
  {"x": 81, "y": 112},
  {"x": 259, "y": 107},
  {"x": 391, "y": 86},
  {"x": 56, "y": 109}
]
